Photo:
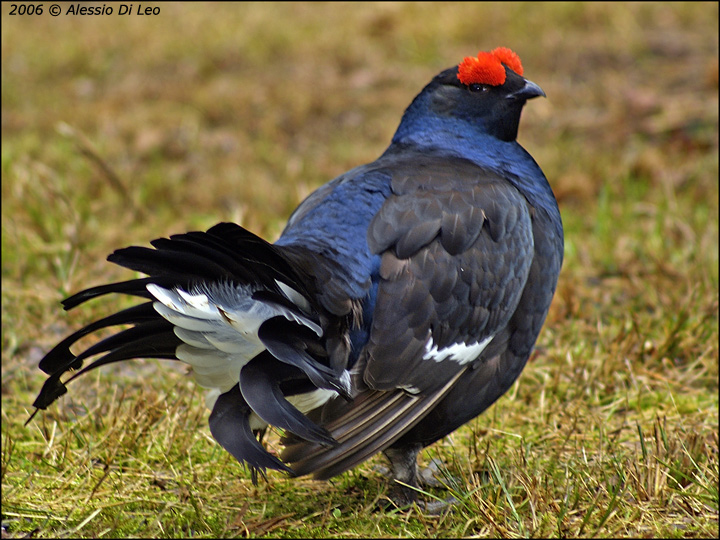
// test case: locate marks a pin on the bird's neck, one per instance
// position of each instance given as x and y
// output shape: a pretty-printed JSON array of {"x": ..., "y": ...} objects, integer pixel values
[
  {"x": 460, "y": 138},
  {"x": 456, "y": 136}
]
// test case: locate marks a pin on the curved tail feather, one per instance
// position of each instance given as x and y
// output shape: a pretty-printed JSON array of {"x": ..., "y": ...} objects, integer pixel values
[{"x": 241, "y": 315}]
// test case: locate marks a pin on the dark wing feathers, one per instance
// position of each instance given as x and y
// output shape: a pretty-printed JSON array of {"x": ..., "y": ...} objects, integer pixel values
[
  {"x": 370, "y": 424},
  {"x": 505, "y": 357},
  {"x": 456, "y": 245},
  {"x": 459, "y": 285}
]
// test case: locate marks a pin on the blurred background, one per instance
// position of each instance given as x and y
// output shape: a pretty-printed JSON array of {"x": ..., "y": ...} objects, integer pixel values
[{"x": 117, "y": 129}]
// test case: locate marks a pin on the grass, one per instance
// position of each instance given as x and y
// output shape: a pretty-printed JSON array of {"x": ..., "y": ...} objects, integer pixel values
[{"x": 117, "y": 130}]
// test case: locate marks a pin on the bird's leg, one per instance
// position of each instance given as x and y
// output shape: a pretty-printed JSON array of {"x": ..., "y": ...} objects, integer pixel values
[
  {"x": 404, "y": 469},
  {"x": 403, "y": 472}
]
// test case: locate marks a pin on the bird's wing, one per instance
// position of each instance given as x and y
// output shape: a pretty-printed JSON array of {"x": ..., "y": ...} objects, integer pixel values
[{"x": 456, "y": 246}]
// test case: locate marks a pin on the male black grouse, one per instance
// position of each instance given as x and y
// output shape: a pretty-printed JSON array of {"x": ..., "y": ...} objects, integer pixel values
[{"x": 402, "y": 299}]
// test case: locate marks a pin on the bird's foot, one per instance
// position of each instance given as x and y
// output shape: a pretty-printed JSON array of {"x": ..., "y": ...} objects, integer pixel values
[
  {"x": 403, "y": 497},
  {"x": 407, "y": 477},
  {"x": 426, "y": 476}
]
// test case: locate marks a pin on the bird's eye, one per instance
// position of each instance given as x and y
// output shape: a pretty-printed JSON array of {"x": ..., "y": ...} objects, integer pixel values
[{"x": 479, "y": 87}]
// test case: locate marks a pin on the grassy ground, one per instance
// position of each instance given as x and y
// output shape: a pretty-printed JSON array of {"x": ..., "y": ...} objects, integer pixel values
[{"x": 120, "y": 129}]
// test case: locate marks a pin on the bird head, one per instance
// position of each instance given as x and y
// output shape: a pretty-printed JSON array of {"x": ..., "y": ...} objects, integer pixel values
[{"x": 487, "y": 91}]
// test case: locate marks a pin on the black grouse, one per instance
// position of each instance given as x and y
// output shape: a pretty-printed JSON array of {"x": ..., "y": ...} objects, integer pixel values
[{"x": 402, "y": 299}]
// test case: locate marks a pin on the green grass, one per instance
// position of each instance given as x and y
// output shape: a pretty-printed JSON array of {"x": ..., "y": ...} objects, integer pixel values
[{"x": 117, "y": 130}]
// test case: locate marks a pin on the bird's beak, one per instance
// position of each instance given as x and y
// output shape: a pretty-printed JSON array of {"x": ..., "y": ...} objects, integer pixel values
[{"x": 529, "y": 91}]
